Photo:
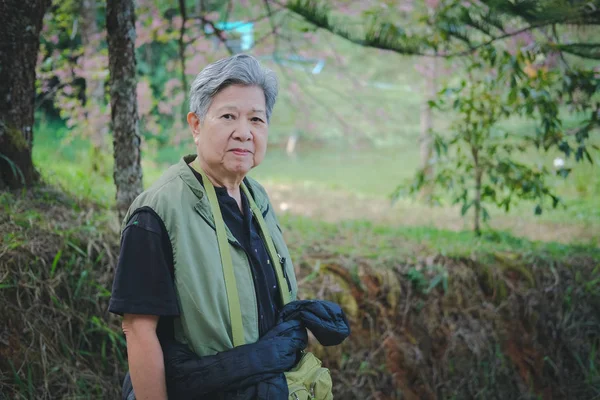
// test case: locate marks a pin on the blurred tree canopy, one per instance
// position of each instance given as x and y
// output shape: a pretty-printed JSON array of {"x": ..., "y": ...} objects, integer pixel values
[
  {"x": 458, "y": 27},
  {"x": 535, "y": 56},
  {"x": 520, "y": 58}
]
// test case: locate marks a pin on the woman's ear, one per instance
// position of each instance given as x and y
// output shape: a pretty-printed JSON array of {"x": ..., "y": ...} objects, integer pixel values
[{"x": 194, "y": 123}]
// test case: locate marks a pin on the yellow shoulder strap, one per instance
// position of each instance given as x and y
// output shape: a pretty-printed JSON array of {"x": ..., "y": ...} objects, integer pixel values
[{"x": 235, "y": 312}]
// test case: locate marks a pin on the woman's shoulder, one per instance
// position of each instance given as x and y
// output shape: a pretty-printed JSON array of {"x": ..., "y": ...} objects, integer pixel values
[
  {"x": 160, "y": 196},
  {"x": 259, "y": 193},
  {"x": 254, "y": 186}
]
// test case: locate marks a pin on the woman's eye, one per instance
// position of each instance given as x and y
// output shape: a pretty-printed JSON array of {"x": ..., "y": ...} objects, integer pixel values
[
  {"x": 256, "y": 119},
  {"x": 228, "y": 116}
]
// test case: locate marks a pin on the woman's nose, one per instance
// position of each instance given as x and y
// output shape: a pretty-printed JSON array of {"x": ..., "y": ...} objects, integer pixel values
[{"x": 243, "y": 132}]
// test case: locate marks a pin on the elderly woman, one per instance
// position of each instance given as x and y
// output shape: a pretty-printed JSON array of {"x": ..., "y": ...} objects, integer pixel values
[{"x": 204, "y": 268}]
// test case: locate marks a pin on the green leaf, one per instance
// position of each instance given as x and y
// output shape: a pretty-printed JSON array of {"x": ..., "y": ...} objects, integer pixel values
[
  {"x": 439, "y": 278},
  {"x": 465, "y": 207},
  {"x": 14, "y": 168},
  {"x": 588, "y": 156},
  {"x": 55, "y": 263},
  {"x": 563, "y": 172},
  {"x": 485, "y": 214},
  {"x": 76, "y": 248},
  {"x": 512, "y": 96},
  {"x": 80, "y": 281},
  {"x": 579, "y": 153},
  {"x": 6, "y": 286}
]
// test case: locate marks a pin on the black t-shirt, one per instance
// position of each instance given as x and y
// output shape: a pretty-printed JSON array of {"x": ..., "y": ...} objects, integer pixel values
[{"x": 144, "y": 284}]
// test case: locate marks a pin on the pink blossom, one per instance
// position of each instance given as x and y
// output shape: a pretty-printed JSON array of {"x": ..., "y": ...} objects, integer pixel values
[
  {"x": 152, "y": 126},
  {"x": 56, "y": 55},
  {"x": 178, "y": 99},
  {"x": 156, "y": 23},
  {"x": 142, "y": 38},
  {"x": 182, "y": 133},
  {"x": 171, "y": 85},
  {"x": 202, "y": 45},
  {"x": 144, "y": 97},
  {"x": 195, "y": 64},
  {"x": 40, "y": 57},
  {"x": 164, "y": 108},
  {"x": 406, "y": 6},
  {"x": 177, "y": 21},
  {"x": 213, "y": 16}
]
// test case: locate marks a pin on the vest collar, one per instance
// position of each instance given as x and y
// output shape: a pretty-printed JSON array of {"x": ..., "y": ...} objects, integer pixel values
[
  {"x": 203, "y": 206},
  {"x": 189, "y": 178}
]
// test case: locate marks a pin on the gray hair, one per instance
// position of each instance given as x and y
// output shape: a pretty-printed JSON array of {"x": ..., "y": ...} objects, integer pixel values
[{"x": 240, "y": 69}]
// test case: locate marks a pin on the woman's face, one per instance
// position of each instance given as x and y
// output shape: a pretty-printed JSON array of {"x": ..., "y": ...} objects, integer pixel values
[{"x": 233, "y": 137}]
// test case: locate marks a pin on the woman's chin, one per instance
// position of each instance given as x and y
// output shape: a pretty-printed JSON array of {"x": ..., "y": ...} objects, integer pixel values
[{"x": 239, "y": 169}]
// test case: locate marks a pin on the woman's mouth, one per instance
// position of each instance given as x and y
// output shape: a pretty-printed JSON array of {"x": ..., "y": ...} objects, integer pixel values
[{"x": 240, "y": 152}]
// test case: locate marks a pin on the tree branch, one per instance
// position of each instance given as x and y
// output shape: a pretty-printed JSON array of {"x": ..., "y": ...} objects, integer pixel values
[
  {"x": 182, "y": 44},
  {"x": 273, "y": 26},
  {"x": 507, "y": 35},
  {"x": 218, "y": 32},
  {"x": 381, "y": 38}
]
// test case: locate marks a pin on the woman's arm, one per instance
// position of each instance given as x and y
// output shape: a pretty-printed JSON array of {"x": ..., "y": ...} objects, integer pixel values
[
  {"x": 146, "y": 364},
  {"x": 239, "y": 368}
]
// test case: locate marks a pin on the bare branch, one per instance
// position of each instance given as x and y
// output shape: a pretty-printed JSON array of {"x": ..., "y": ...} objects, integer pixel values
[
  {"x": 273, "y": 26},
  {"x": 182, "y": 44},
  {"x": 218, "y": 32}
]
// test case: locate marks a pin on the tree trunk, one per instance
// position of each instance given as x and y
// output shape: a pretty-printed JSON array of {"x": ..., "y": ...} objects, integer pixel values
[
  {"x": 96, "y": 128},
  {"x": 20, "y": 27},
  {"x": 120, "y": 24},
  {"x": 425, "y": 139},
  {"x": 477, "y": 200}
]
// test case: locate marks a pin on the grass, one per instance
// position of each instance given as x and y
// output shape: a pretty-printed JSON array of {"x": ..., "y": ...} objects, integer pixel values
[
  {"x": 383, "y": 243},
  {"x": 56, "y": 263}
]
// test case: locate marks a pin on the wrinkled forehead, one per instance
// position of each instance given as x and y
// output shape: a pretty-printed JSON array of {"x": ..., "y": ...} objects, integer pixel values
[{"x": 240, "y": 99}]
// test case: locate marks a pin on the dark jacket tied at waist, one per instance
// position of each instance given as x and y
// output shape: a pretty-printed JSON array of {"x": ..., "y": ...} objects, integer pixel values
[{"x": 254, "y": 371}]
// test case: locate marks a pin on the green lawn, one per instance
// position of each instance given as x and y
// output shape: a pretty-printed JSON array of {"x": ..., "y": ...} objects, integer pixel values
[{"x": 388, "y": 245}]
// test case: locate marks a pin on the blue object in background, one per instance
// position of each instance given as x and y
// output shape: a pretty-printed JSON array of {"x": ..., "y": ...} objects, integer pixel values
[{"x": 245, "y": 29}]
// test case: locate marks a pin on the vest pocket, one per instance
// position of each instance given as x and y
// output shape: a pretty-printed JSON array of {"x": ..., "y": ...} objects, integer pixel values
[{"x": 298, "y": 392}]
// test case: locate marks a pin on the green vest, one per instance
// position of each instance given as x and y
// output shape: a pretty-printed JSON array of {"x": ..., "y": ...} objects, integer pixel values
[{"x": 181, "y": 202}]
